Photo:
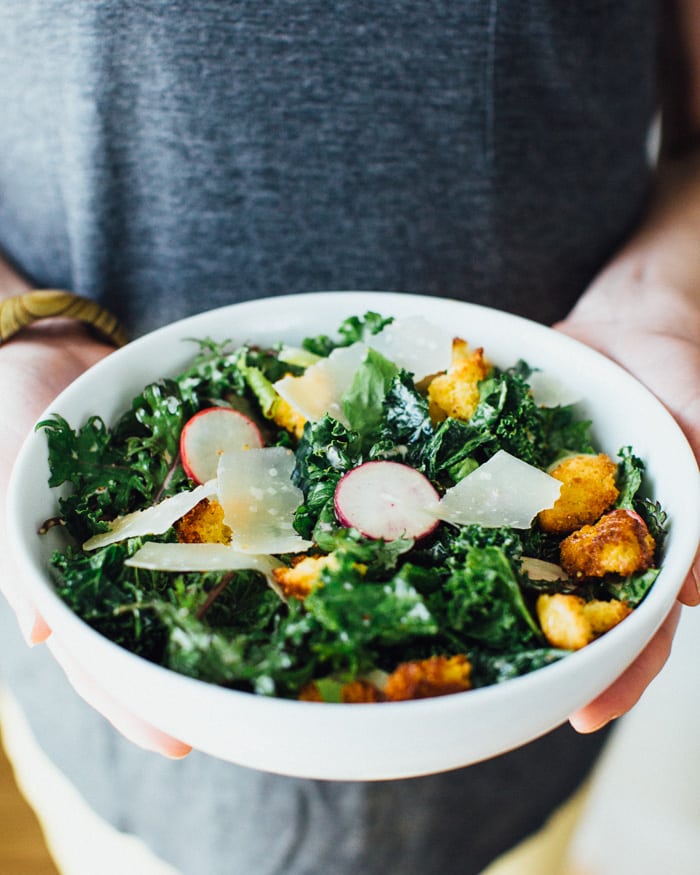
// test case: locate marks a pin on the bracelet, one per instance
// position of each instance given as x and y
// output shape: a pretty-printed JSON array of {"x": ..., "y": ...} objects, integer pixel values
[{"x": 22, "y": 310}]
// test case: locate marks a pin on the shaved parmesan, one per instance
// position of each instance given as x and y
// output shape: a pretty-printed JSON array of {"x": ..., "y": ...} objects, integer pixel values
[
  {"x": 153, "y": 520},
  {"x": 549, "y": 391},
  {"x": 414, "y": 344},
  {"x": 319, "y": 390},
  {"x": 260, "y": 500},
  {"x": 199, "y": 557},
  {"x": 505, "y": 491}
]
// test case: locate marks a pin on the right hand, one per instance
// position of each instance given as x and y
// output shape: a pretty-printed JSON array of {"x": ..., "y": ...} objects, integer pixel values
[{"x": 34, "y": 367}]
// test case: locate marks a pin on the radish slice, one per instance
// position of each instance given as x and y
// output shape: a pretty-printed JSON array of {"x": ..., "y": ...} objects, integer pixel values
[
  {"x": 386, "y": 500},
  {"x": 505, "y": 491},
  {"x": 210, "y": 433},
  {"x": 260, "y": 500},
  {"x": 153, "y": 520},
  {"x": 200, "y": 557}
]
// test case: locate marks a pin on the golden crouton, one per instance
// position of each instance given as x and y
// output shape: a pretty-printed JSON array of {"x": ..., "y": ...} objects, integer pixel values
[
  {"x": 619, "y": 543},
  {"x": 354, "y": 693},
  {"x": 456, "y": 392},
  {"x": 435, "y": 676},
  {"x": 299, "y": 579},
  {"x": 563, "y": 622},
  {"x": 204, "y": 524},
  {"x": 283, "y": 414},
  {"x": 570, "y": 622},
  {"x": 604, "y": 615},
  {"x": 588, "y": 490}
]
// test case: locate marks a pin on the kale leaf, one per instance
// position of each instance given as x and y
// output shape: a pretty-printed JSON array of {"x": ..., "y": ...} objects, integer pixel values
[
  {"x": 491, "y": 667},
  {"x": 113, "y": 472},
  {"x": 351, "y": 330},
  {"x": 326, "y": 451},
  {"x": 484, "y": 602}
]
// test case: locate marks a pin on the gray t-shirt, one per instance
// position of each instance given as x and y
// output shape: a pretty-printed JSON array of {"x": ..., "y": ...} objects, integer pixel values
[{"x": 165, "y": 157}]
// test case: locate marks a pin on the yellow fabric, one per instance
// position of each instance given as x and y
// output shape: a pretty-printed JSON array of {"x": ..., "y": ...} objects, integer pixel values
[{"x": 81, "y": 843}]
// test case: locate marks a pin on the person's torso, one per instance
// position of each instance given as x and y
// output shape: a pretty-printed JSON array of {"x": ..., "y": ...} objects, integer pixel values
[{"x": 167, "y": 157}]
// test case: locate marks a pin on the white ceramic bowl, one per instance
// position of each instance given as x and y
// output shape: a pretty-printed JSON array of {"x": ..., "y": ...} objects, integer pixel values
[{"x": 367, "y": 742}]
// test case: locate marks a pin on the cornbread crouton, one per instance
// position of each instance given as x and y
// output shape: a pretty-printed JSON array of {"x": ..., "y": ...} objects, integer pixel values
[
  {"x": 588, "y": 490},
  {"x": 299, "y": 579},
  {"x": 204, "y": 524},
  {"x": 283, "y": 414},
  {"x": 604, "y": 615},
  {"x": 456, "y": 392},
  {"x": 619, "y": 543},
  {"x": 354, "y": 693},
  {"x": 570, "y": 622},
  {"x": 424, "y": 678}
]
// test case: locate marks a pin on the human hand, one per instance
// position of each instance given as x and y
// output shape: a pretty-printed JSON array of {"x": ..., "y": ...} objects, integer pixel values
[
  {"x": 34, "y": 368},
  {"x": 654, "y": 333}
]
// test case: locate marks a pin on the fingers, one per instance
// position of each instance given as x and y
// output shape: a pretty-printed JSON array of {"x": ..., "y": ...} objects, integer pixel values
[
  {"x": 32, "y": 625},
  {"x": 124, "y": 721},
  {"x": 628, "y": 688},
  {"x": 690, "y": 592}
]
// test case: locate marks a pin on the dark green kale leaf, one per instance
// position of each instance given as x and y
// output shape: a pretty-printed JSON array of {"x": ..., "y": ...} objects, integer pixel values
[
  {"x": 508, "y": 418},
  {"x": 150, "y": 436},
  {"x": 444, "y": 453},
  {"x": 213, "y": 374},
  {"x": 406, "y": 424},
  {"x": 105, "y": 480},
  {"x": 353, "y": 618},
  {"x": 236, "y": 600},
  {"x": 221, "y": 374},
  {"x": 630, "y": 472},
  {"x": 351, "y": 330},
  {"x": 632, "y": 589},
  {"x": 326, "y": 451},
  {"x": 564, "y": 433},
  {"x": 630, "y": 479},
  {"x": 273, "y": 661},
  {"x": 112, "y": 598},
  {"x": 483, "y": 600},
  {"x": 451, "y": 544},
  {"x": 489, "y": 667},
  {"x": 378, "y": 557},
  {"x": 656, "y": 519}
]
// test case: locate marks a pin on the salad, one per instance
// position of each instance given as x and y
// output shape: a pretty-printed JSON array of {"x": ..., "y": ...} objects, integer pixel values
[{"x": 375, "y": 516}]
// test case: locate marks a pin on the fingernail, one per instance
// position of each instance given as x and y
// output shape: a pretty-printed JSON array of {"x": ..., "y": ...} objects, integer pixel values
[
  {"x": 32, "y": 626},
  {"x": 178, "y": 753},
  {"x": 696, "y": 576}
]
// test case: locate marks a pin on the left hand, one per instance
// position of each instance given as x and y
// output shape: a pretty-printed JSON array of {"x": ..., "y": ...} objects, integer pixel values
[{"x": 653, "y": 332}]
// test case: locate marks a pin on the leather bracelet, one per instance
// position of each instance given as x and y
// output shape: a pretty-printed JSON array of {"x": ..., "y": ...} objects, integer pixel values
[{"x": 22, "y": 310}]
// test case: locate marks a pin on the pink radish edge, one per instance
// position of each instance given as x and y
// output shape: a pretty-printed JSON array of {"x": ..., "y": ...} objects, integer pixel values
[
  {"x": 211, "y": 432},
  {"x": 386, "y": 500}
]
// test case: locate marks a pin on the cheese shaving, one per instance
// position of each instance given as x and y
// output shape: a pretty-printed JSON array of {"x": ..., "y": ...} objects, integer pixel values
[
  {"x": 260, "y": 500},
  {"x": 504, "y": 491},
  {"x": 153, "y": 520}
]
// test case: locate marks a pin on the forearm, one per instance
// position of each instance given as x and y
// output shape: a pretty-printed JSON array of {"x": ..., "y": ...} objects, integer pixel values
[{"x": 11, "y": 283}]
